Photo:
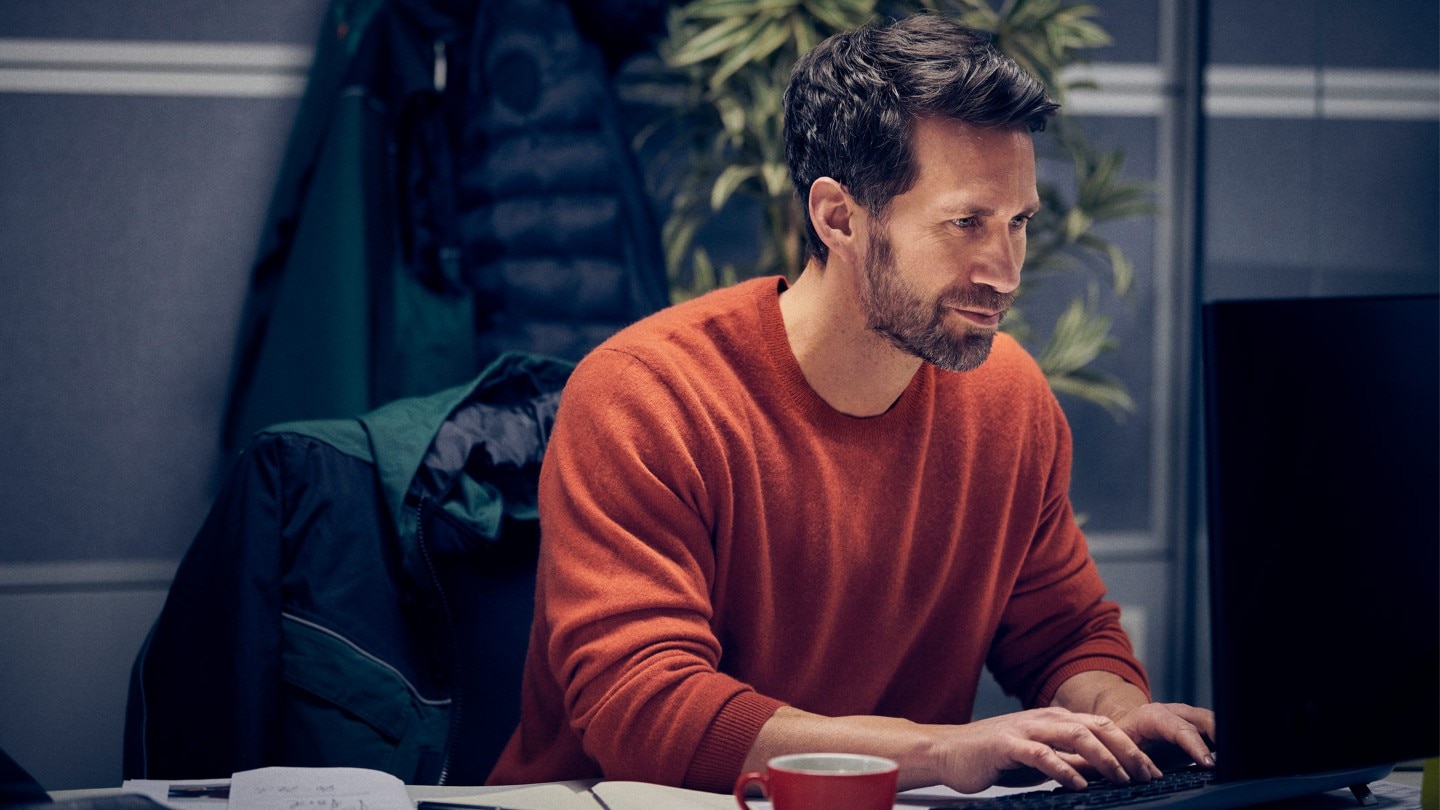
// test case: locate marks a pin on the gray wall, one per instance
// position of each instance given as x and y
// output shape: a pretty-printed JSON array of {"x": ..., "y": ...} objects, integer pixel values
[
  {"x": 139, "y": 142},
  {"x": 135, "y": 171},
  {"x": 1319, "y": 172}
]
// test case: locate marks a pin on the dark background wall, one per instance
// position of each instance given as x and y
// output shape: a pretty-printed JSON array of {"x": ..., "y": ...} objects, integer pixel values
[{"x": 139, "y": 142}]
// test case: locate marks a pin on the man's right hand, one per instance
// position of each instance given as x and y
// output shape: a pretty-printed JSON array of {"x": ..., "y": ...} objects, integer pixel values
[
  {"x": 1035, "y": 745},
  {"x": 1056, "y": 742}
]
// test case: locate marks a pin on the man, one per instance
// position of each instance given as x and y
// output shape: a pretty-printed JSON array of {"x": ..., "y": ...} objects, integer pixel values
[{"x": 781, "y": 520}]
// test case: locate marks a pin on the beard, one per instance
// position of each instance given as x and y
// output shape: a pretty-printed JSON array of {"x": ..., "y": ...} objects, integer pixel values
[{"x": 896, "y": 311}]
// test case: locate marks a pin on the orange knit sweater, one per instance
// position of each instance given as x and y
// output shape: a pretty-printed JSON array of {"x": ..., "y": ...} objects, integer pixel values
[{"x": 719, "y": 542}]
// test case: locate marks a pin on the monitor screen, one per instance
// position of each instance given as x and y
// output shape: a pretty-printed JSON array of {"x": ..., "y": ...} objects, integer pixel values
[{"x": 1323, "y": 488}]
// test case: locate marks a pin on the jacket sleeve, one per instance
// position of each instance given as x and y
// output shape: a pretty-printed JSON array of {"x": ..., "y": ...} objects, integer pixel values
[
  {"x": 210, "y": 668},
  {"x": 626, "y": 571},
  {"x": 1057, "y": 622}
]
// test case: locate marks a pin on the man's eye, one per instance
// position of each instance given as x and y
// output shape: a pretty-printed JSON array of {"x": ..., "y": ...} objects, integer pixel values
[
  {"x": 1019, "y": 223},
  {"x": 964, "y": 222}
]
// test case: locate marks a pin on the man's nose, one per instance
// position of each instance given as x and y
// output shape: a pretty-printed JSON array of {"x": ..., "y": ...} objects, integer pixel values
[{"x": 997, "y": 263}]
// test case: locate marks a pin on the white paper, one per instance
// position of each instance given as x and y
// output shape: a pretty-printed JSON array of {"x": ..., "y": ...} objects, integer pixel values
[
  {"x": 647, "y": 796},
  {"x": 536, "y": 797},
  {"x": 317, "y": 789},
  {"x": 939, "y": 794}
]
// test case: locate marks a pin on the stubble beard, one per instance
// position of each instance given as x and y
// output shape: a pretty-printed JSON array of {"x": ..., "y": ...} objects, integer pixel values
[{"x": 895, "y": 311}]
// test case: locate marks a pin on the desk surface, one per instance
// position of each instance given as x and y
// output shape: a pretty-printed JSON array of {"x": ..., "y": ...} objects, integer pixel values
[{"x": 582, "y": 795}]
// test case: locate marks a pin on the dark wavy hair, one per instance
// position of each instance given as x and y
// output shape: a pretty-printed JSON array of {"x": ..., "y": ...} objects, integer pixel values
[{"x": 852, "y": 102}]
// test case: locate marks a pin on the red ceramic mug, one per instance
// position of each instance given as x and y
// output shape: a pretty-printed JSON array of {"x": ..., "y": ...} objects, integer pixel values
[{"x": 824, "y": 782}]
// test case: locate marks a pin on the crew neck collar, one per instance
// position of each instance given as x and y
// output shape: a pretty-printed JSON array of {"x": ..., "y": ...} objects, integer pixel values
[{"x": 792, "y": 379}]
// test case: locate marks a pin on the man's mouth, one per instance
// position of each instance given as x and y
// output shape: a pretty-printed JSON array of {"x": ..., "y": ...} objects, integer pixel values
[{"x": 981, "y": 317}]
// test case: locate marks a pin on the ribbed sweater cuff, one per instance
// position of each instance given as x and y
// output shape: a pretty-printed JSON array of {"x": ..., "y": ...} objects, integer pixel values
[
  {"x": 1114, "y": 666},
  {"x": 722, "y": 750}
]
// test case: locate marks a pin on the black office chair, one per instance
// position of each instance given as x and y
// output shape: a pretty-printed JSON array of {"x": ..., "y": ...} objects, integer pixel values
[{"x": 360, "y": 594}]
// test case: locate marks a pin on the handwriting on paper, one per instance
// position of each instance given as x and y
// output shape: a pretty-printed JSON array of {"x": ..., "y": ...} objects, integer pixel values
[{"x": 317, "y": 789}]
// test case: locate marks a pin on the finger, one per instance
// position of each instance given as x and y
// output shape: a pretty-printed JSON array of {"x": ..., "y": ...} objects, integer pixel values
[
  {"x": 1183, "y": 726},
  {"x": 1134, "y": 759},
  {"x": 1083, "y": 765},
  {"x": 1099, "y": 741},
  {"x": 1188, "y": 737},
  {"x": 1204, "y": 719},
  {"x": 1074, "y": 740},
  {"x": 1045, "y": 759},
  {"x": 1076, "y": 761}
]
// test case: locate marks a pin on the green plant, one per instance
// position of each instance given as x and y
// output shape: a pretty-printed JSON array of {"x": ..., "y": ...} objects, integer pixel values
[{"x": 734, "y": 57}]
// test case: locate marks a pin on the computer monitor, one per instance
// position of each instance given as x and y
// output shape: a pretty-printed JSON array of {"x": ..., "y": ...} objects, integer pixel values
[{"x": 1323, "y": 487}]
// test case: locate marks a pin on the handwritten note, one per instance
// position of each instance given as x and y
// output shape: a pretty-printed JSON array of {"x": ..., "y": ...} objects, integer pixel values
[{"x": 317, "y": 789}]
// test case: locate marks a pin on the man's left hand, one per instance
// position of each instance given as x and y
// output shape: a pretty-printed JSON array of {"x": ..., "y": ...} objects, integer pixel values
[
  {"x": 1182, "y": 725},
  {"x": 1165, "y": 731}
]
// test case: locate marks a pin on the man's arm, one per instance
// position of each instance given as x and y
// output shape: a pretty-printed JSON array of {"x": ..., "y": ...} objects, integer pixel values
[
  {"x": 1098, "y": 721},
  {"x": 1103, "y": 693},
  {"x": 969, "y": 757}
]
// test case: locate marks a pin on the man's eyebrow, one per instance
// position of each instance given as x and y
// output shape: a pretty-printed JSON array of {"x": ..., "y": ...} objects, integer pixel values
[
  {"x": 960, "y": 208},
  {"x": 971, "y": 210}
]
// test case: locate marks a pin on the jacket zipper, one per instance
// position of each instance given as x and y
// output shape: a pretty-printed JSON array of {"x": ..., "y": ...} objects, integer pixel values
[
  {"x": 456, "y": 703},
  {"x": 441, "y": 72}
]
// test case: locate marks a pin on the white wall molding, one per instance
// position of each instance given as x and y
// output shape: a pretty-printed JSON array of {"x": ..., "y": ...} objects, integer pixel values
[
  {"x": 1120, "y": 89},
  {"x": 268, "y": 70},
  {"x": 1380, "y": 94},
  {"x": 86, "y": 575},
  {"x": 116, "y": 67},
  {"x": 1263, "y": 91},
  {"x": 1242, "y": 91}
]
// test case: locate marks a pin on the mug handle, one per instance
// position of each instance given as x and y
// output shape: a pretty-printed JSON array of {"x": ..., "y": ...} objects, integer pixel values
[{"x": 745, "y": 780}]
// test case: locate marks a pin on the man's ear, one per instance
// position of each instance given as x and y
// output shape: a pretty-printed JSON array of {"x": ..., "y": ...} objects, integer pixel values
[{"x": 833, "y": 213}]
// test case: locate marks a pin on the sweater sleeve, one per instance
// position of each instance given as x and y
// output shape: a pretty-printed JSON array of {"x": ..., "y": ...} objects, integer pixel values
[
  {"x": 1057, "y": 622},
  {"x": 626, "y": 573}
]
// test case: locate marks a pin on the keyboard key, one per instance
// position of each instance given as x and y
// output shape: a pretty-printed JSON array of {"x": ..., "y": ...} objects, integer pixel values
[{"x": 1100, "y": 794}]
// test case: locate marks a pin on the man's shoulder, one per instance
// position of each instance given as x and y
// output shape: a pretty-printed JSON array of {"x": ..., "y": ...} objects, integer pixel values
[
  {"x": 696, "y": 345},
  {"x": 707, "y": 323}
]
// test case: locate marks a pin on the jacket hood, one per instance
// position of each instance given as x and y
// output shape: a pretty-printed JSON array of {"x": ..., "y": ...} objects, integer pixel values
[{"x": 473, "y": 451}]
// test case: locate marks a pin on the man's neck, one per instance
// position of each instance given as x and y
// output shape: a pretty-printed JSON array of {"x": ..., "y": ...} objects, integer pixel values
[{"x": 854, "y": 369}]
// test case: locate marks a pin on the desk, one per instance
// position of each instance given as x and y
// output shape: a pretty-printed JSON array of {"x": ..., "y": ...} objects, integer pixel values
[{"x": 583, "y": 796}]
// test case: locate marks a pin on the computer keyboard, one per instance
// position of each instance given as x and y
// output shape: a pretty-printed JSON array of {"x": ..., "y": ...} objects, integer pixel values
[{"x": 1100, "y": 793}]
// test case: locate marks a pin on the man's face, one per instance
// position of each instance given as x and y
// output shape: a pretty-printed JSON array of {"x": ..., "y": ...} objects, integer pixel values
[{"x": 961, "y": 235}]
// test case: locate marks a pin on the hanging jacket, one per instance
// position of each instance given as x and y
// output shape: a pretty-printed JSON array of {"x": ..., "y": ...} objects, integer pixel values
[
  {"x": 360, "y": 593},
  {"x": 458, "y": 184}
]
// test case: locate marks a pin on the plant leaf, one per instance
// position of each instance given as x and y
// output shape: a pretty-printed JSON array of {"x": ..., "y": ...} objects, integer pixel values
[
  {"x": 711, "y": 42},
  {"x": 769, "y": 35},
  {"x": 729, "y": 180}
]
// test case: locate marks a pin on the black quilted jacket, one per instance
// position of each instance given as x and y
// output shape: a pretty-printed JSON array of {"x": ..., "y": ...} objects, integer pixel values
[{"x": 458, "y": 184}]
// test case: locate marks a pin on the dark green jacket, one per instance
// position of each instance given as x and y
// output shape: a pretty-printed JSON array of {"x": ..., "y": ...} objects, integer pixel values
[{"x": 360, "y": 593}]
